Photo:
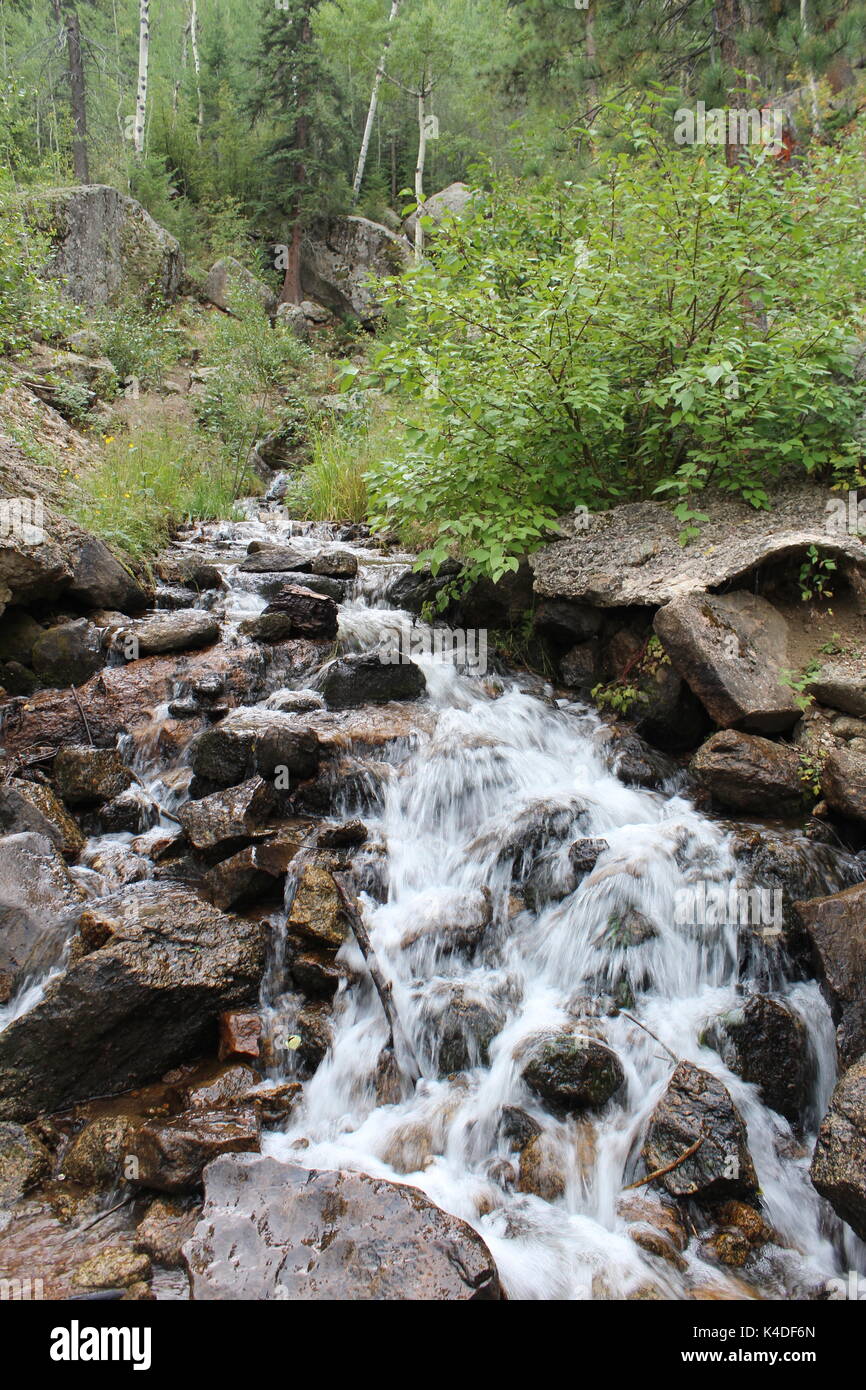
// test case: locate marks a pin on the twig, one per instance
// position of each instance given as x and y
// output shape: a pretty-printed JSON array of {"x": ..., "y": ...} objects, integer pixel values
[
  {"x": 632, "y": 1019},
  {"x": 383, "y": 986},
  {"x": 83, "y": 715},
  {"x": 130, "y": 1197},
  {"x": 668, "y": 1168}
]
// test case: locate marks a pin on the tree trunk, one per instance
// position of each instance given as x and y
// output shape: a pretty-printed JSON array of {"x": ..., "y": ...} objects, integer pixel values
[
  {"x": 141, "y": 94},
  {"x": 196, "y": 62},
  {"x": 291, "y": 291},
  {"x": 726, "y": 17},
  {"x": 419, "y": 170},
  {"x": 374, "y": 102},
  {"x": 67, "y": 17}
]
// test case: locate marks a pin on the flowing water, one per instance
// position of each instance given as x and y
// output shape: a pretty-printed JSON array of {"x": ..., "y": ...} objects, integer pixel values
[{"x": 481, "y": 961}]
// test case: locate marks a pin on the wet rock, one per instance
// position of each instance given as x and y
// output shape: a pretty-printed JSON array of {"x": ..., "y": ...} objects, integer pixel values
[
  {"x": 274, "y": 1102},
  {"x": 86, "y": 776},
  {"x": 239, "y": 1035},
  {"x": 252, "y": 872},
  {"x": 146, "y": 999},
  {"x": 460, "y": 1025},
  {"x": 99, "y": 580},
  {"x": 181, "y": 631},
  {"x": 98, "y": 1156},
  {"x": 316, "y": 1034},
  {"x": 455, "y": 925},
  {"x": 584, "y": 854},
  {"x": 697, "y": 1106},
  {"x": 18, "y": 632},
  {"x": 310, "y": 614},
  {"x": 839, "y": 1162},
  {"x": 749, "y": 773},
  {"x": 219, "y": 1088},
  {"x": 273, "y": 1230},
  {"x": 739, "y": 1216},
  {"x": 634, "y": 761},
  {"x": 229, "y": 285},
  {"x": 32, "y": 806},
  {"x": 364, "y": 680},
  {"x": 836, "y": 929},
  {"x": 230, "y": 817},
  {"x": 572, "y": 1071},
  {"x": 317, "y": 910},
  {"x": 843, "y": 783},
  {"x": 68, "y": 654},
  {"x": 566, "y": 623},
  {"x": 517, "y": 1126},
  {"x": 189, "y": 571},
  {"x": 351, "y": 832},
  {"x": 113, "y": 1268},
  {"x": 317, "y": 973},
  {"x": 254, "y": 741},
  {"x": 295, "y": 701},
  {"x": 627, "y": 928},
  {"x": 172, "y": 1154},
  {"x": 39, "y": 905},
  {"x": 541, "y": 1169},
  {"x": 648, "y": 1209},
  {"x": 580, "y": 668},
  {"x": 271, "y": 586},
  {"x": 267, "y": 627},
  {"x": 132, "y": 812},
  {"x": 336, "y": 564},
  {"x": 16, "y": 679},
  {"x": 24, "y": 1162},
  {"x": 731, "y": 649},
  {"x": 730, "y": 1248},
  {"x": 274, "y": 558},
  {"x": 766, "y": 1043},
  {"x": 167, "y": 1225}
]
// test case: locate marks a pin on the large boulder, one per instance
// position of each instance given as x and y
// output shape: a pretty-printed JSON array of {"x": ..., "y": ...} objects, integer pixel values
[
  {"x": 39, "y": 907},
  {"x": 839, "y": 1161},
  {"x": 697, "y": 1107},
  {"x": 106, "y": 247},
  {"x": 272, "y": 1230},
  {"x": 843, "y": 783},
  {"x": 252, "y": 742},
  {"x": 451, "y": 201},
  {"x": 99, "y": 580},
  {"x": 631, "y": 555},
  {"x": 229, "y": 285},
  {"x": 341, "y": 256},
  {"x": 155, "y": 967},
  {"x": 573, "y": 1071},
  {"x": 68, "y": 654},
  {"x": 731, "y": 649},
  {"x": 749, "y": 773},
  {"x": 766, "y": 1043},
  {"x": 836, "y": 928}
]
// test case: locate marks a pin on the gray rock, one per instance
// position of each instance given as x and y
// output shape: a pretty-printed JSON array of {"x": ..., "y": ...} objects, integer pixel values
[
  {"x": 182, "y": 631},
  {"x": 336, "y": 564},
  {"x": 731, "y": 649},
  {"x": 229, "y": 818},
  {"x": 309, "y": 614},
  {"x": 143, "y": 1001},
  {"x": 271, "y": 1230},
  {"x": 39, "y": 905},
  {"x": 695, "y": 1107},
  {"x": 105, "y": 246},
  {"x": 631, "y": 555},
  {"x": 840, "y": 689},
  {"x": 99, "y": 580},
  {"x": 229, "y": 285},
  {"x": 352, "y": 681},
  {"x": 451, "y": 201},
  {"x": 33, "y": 806},
  {"x": 843, "y": 782},
  {"x": 573, "y": 1071},
  {"x": 766, "y": 1043},
  {"x": 32, "y": 570},
  {"x": 273, "y": 558},
  {"x": 839, "y": 1161},
  {"x": 339, "y": 257}
]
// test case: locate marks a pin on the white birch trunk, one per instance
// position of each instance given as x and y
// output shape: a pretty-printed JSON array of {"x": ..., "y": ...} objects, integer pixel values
[
  {"x": 374, "y": 102},
  {"x": 141, "y": 93}
]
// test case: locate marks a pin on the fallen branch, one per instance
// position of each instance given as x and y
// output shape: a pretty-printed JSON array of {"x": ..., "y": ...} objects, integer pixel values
[
  {"x": 83, "y": 715},
  {"x": 632, "y": 1019},
  {"x": 397, "y": 1039},
  {"x": 669, "y": 1168}
]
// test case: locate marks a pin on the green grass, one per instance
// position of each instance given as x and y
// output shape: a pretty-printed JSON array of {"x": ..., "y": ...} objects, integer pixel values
[
  {"x": 333, "y": 487},
  {"x": 146, "y": 487}
]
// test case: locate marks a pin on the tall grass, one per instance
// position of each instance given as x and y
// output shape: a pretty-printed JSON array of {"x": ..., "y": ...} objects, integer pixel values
[
  {"x": 146, "y": 487},
  {"x": 333, "y": 487}
]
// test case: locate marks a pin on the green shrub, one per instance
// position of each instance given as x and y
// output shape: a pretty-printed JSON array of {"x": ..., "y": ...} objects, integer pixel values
[
  {"x": 141, "y": 341},
  {"x": 671, "y": 326}
]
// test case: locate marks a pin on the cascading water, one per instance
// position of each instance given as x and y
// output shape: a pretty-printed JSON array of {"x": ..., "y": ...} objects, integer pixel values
[{"x": 489, "y": 937}]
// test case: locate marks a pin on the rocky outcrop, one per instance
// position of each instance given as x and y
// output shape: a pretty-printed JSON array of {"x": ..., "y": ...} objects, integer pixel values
[
  {"x": 697, "y": 1110},
  {"x": 836, "y": 928},
  {"x": 339, "y": 258},
  {"x": 731, "y": 649},
  {"x": 106, "y": 247},
  {"x": 839, "y": 1161},
  {"x": 748, "y": 773},
  {"x": 631, "y": 556},
  {"x": 154, "y": 968},
  {"x": 271, "y": 1230}
]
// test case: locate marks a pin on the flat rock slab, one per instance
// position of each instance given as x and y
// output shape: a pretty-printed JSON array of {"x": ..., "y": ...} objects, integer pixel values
[
  {"x": 731, "y": 649},
  {"x": 632, "y": 555},
  {"x": 271, "y": 1230}
]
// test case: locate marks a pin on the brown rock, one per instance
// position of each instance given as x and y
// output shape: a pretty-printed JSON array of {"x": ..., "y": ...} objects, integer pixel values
[
  {"x": 836, "y": 928},
  {"x": 749, "y": 773},
  {"x": 240, "y": 1035}
]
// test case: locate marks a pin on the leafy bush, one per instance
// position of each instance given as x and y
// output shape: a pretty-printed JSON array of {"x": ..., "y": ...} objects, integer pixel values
[
  {"x": 29, "y": 306},
  {"x": 671, "y": 326},
  {"x": 140, "y": 341}
]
